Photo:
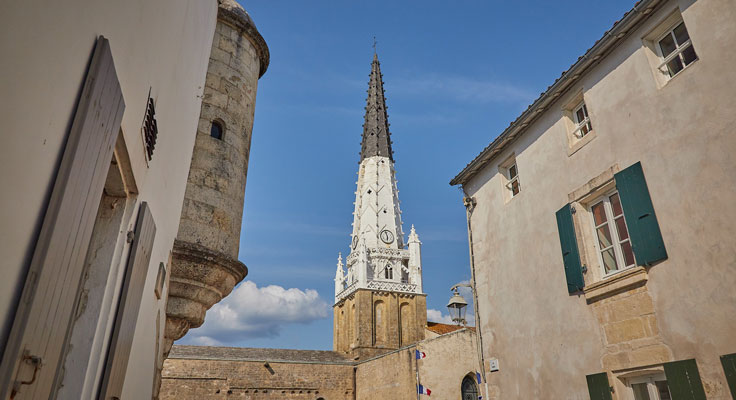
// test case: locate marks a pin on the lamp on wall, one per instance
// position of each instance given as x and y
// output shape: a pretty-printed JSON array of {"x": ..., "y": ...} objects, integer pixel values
[{"x": 457, "y": 307}]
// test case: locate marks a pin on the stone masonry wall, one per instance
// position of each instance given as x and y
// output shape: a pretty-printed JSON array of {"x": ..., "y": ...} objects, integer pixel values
[
  {"x": 353, "y": 330},
  {"x": 213, "y": 204},
  {"x": 185, "y": 379}
]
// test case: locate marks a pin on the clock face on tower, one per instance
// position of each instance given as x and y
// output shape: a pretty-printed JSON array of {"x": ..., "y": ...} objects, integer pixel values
[{"x": 386, "y": 236}]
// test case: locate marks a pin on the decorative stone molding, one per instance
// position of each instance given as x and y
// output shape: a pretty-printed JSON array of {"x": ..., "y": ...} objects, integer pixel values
[
  {"x": 200, "y": 278},
  {"x": 624, "y": 280},
  {"x": 232, "y": 13}
]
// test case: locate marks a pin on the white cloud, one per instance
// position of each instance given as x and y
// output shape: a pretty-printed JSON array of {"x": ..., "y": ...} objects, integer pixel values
[
  {"x": 251, "y": 312},
  {"x": 437, "y": 316}
]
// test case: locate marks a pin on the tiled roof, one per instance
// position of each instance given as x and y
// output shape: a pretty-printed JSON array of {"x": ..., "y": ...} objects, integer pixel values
[
  {"x": 441, "y": 329},
  {"x": 257, "y": 354},
  {"x": 641, "y": 11}
]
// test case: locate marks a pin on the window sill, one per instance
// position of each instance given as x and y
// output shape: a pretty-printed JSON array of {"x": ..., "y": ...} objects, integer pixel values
[
  {"x": 578, "y": 144},
  {"x": 620, "y": 282}
]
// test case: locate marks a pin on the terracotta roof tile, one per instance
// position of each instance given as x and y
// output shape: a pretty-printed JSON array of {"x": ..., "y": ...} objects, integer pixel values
[{"x": 441, "y": 329}]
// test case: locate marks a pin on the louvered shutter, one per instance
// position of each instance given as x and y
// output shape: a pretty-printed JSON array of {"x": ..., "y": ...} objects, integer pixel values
[
  {"x": 646, "y": 238},
  {"x": 570, "y": 254},
  {"x": 729, "y": 368},
  {"x": 129, "y": 305},
  {"x": 598, "y": 387},
  {"x": 683, "y": 380},
  {"x": 46, "y": 308}
]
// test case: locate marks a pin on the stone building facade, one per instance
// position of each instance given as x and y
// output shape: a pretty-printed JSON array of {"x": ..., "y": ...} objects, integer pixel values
[
  {"x": 105, "y": 118},
  {"x": 201, "y": 373},
  {"x": 627, "y": 293}
]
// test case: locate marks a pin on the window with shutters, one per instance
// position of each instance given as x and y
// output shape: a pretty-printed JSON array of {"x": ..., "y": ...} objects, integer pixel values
[{"x": 609, "y": 227}]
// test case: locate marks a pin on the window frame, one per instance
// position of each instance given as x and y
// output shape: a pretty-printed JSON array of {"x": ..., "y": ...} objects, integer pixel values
[
  {"x": 650, "y": 381},
  {"x": 677, "y": 52},
  {"x": 580, "y": 124},
  {"x": 510, "y": 180},
  {"x": 605, "y": 198}
]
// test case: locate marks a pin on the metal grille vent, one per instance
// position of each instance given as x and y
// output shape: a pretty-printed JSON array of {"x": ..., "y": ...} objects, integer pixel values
[{"x": 150, "y": 128}]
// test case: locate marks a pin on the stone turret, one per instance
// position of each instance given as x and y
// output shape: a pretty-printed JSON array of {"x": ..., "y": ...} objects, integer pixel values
[{"x": 205, "y": 265}]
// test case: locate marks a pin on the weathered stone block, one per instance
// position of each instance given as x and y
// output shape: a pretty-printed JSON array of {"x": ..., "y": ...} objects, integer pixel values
[{"x": 631, "y": 329}]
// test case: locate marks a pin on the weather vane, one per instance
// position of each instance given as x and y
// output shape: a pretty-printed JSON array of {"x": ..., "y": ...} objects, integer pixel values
[{"x": 374, "y": 45}]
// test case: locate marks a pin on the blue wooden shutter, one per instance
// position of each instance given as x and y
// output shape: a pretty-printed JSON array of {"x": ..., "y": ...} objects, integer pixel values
[
  {"x": 598, "y": 387},
  {"x": 646, "y": 238},
  {"x": 729, "y": 368},
  {"x": 570, "y": 254},
  {"x": 683, "y": 380}
]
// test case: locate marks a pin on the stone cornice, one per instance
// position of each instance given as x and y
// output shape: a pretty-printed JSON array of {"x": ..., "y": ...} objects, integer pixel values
[{"x": 232, "y": 14}]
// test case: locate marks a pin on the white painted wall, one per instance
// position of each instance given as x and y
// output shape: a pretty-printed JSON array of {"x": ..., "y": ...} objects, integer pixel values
[
  {"x": 684, "y": 135},
  {"x": 46, "y": 47}
]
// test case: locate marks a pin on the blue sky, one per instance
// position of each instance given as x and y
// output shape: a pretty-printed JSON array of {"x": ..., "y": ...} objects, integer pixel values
[{"x": 455, "y": 74}]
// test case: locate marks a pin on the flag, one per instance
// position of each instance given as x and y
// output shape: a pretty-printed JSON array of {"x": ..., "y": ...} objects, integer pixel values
[
  {"x": 420, "y": 354},
  {"x": 477, "y": 375},
  {"x": 423, "y": 390}
]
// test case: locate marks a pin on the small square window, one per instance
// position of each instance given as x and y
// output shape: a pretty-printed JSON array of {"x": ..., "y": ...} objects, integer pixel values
[
  {"x": 676, "y": 50},
  {"x": 512, "y": 179}
]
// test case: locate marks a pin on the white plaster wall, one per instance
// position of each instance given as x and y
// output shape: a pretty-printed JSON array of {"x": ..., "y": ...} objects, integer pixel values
[
  {"x": 46, "y": 48},
  {"x": 683, "y": 133}
]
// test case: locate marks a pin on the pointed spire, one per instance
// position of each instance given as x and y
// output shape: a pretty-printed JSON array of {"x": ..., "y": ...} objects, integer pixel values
[
  {"x": 340, "y": 273},
  {"x": 376, "y": 136},
  {"x": 413, "y": 237}
]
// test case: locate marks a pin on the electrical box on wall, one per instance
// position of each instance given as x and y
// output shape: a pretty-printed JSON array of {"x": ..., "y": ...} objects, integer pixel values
[{"x": 492, "y": 364}]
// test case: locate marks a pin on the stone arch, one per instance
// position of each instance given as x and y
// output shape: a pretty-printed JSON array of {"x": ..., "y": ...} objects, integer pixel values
[
  {"x": 353, "y": 326},
  {"x": 379, "y": 322},
  {"x": 468, "y": 388},
  {"x": 405, "y": 319},
  {"x": 217, "y": 129}
]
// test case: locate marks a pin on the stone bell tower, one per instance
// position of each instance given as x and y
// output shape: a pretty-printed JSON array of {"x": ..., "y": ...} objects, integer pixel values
[
  {"x": 205, "y": 265},
  {"x": 379, "y": 304}
]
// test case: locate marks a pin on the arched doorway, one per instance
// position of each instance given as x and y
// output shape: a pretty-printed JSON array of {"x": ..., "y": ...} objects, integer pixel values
[{"x": 469, "y": 389}]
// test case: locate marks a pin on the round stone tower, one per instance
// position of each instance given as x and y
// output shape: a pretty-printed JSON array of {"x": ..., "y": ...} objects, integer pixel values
[{"x": 205, "y": 265}]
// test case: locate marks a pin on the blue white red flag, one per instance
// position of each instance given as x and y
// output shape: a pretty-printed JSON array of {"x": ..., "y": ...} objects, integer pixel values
[
  {"x": 423, "y": 390},
  {"x": 420, "y": 354},
  {"x": 477, "y": 375}
]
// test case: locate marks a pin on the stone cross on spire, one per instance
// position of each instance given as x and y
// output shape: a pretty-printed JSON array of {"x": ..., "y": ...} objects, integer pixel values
[{"x": 376, "y": 136}]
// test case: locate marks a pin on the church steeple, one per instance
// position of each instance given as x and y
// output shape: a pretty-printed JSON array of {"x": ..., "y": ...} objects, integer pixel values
[
  {"x": 379, "y": 303},
  {"x": 376, "y": 135}
]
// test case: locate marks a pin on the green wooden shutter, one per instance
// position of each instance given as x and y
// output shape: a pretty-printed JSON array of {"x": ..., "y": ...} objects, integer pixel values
[
  {"x": 570, "y": 254},
  {"x": 684, "y": 380},
  {"x": 598, "y": 386},
  {"x": 646, "y": 238},
  {"x": 729, "y": 368}
]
